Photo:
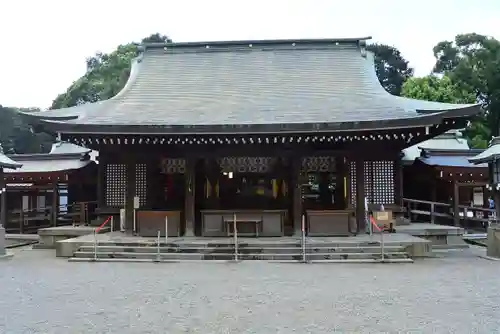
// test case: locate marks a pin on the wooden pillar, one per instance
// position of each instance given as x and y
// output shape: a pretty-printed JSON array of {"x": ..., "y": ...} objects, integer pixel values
[
  {"x": 189, "y": 213},
  {"x": 456, "y": 210},
  {"x": 360, "y": 195},
  {"x": 55, "y": 204},
  {"x": 398, "y": 182},
  {"x": 129, "y": 194},
  {"x": 3, "y": 205},
  {"x": 101, "y": 182},
  {"x": 296, "y": 187}
]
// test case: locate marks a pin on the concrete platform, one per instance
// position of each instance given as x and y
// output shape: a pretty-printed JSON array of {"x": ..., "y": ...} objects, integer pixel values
[
  {"x": 48, "y": 237},
  {"x": 441, "y": 236},
  {"x": 414, "y": 246}
]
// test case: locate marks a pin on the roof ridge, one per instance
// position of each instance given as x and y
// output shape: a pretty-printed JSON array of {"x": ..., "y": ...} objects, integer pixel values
[{"x": 239, "y": 43}]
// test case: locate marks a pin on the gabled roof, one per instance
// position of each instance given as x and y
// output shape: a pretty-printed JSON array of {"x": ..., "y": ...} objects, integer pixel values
[
  {"x": 6, "y": 162},
  {"x": 450, "y": 140},
  {"x": 69, "y": 148},
  {"x": 450, "y": 158},
  {"x": 252, "y": 87},
  {"x": 492, "y": 153},
  {"x": 67, "y": 159}
]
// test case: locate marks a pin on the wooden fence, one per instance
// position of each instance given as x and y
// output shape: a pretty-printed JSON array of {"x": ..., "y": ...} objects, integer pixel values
[{"x": 442, "y": 213}]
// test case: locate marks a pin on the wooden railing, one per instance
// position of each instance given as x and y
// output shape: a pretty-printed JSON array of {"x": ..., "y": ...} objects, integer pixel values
[
  {"x": 29, "y": 221},
  {"x": 442, "y": 213}
]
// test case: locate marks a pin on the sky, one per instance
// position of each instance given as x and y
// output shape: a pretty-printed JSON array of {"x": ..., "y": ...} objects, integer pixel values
[{"x": 44, "y": 44}]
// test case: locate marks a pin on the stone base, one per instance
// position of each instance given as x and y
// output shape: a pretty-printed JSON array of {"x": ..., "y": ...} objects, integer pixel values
[
  {"x": 493, "y": 242},
  {"x": 2, "y": 241},
  {"x": 441, "y": 236},
  {"x": 50, "y": 236}
]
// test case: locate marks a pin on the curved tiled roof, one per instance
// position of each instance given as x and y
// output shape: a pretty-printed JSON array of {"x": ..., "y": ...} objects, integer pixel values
[
  {"x": 253, "y": 86},
  {"x": 492, "y": 153},
  {"x": 6, "y": 162}
]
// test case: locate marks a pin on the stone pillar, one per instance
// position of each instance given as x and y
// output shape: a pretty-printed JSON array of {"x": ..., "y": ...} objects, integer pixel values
[
  {"x": 189, "y": 213},
  {"x": 493, "y": 241},
  {"x": 2, "y": 241},
  {"x": 360, "y": 195}
]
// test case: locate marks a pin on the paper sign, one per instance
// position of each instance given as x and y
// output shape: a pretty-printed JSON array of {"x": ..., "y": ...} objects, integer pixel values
[{"x": 136, "y": 202}]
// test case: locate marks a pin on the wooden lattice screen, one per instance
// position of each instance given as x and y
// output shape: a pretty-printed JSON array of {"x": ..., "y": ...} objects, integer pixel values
[
  {"x": 379, "y": 181},
  {"x": 141, "y": 183},
  {"x": 116, "y": 184},
  {"x": 318, "y": 164},
  {"x": 173, "y": 166},
  {"x": 246, "y": 164}
]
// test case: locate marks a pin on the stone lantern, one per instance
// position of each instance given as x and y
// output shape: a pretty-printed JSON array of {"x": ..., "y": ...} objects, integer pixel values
[{"x": 5, "y": 162}]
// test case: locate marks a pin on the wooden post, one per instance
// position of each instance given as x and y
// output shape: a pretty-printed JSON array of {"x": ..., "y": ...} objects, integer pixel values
[
  {"x": 398, "y": 182},
  {"x": 189, "y": 197},
  {"x": 3, "y": 205},
  {"x": 55, "y": 204},
  {"x": 432, "y": 213},
  {"x": 129, "y": 194},
  {"x": 297, "y": 195},
  {"x": 360, "y": 195},
  {"x": 456, "y": 210}
]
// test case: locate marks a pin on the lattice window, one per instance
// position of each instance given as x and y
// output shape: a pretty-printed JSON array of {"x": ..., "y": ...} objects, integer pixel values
[
  {"x": 116, "y": 184},
  {"x": 141, "y": 183},
  {"x": 383, "y": 182},
  {"x": 368, "y": 178},
  {"x": 352, "y": 181},
  {"x": 173, "y": 166},
  {"x": 318, "y": 164},
  {"x": 378, "y": 181},
  {"x": 246, "y": 164}
]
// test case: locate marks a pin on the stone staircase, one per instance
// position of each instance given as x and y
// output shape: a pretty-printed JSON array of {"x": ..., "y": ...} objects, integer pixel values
[{"x": 224, "y": 251}]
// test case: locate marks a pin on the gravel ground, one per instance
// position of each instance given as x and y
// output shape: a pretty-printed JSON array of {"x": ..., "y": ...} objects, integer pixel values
[{"x": 457, "y": 293}]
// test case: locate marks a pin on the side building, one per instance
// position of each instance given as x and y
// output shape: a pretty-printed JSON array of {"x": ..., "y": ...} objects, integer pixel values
[
  {"x": 50, "y": 188},
  {"x": 269, "y": 131}
]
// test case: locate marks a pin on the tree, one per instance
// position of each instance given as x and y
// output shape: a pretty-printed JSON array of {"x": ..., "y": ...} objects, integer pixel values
[
  {"x": 472, "y": 62},
  {"x": 16, "y": 136},
  {"x": 438, "y": 89},
  {"x": 391, "y": 67},
  {"x": 442, "y": 89},
  {"x": 105, "y": 76}
]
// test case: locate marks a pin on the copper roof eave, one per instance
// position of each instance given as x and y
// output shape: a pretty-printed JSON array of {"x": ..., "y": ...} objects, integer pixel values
[
  {"x": 256, "y": 42},
  {"x": 423, "y": 120}
]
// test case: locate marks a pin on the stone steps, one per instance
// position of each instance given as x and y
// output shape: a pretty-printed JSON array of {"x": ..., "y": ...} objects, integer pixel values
[
  {"x": 129, "y": 260},
  {"x": 241, "y": 256},
  {"x": 241, "y": 249},
  {"x": 225, "y": 252}
]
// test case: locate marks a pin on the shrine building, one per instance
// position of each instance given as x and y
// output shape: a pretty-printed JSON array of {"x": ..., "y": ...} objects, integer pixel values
[{"x": 269, "y": 131}]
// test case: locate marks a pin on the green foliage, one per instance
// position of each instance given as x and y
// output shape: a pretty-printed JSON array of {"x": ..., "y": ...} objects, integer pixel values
[
  {"x": 105, "y": 77},
  {"x": 443, "y": 89},
  {"x": 434, "y": 88},
  {"x": 17, "y": 137},
  {"x": 391, "y": 67},
  {"x": 472, "y": 62}
]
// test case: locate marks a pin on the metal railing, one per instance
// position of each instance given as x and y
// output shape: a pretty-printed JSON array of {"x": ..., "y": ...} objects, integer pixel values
[
  {"x": 96, "y": 231},
  {"x": 374, "y": 224}
]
